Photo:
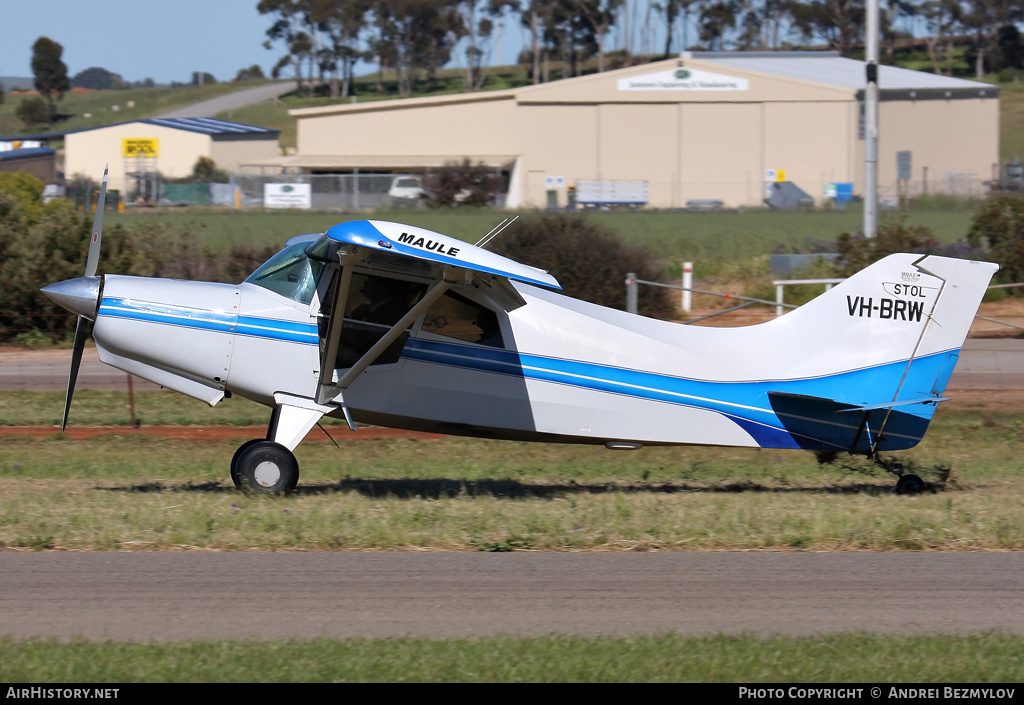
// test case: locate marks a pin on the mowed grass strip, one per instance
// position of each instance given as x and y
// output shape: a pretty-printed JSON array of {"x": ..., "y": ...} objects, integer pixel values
[
  {"x": 837, "y": 658},
  {"x": 707, "y": 239},
  {"x": 146, "y": 493}
]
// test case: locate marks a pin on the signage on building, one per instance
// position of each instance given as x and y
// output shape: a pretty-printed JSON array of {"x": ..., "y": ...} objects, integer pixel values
[
  {"x": 287, "y": 196},
  {"x": 680, "y": 79},
  {"x": 140, "y": 147},
  {"x": 903, "y": 162}
]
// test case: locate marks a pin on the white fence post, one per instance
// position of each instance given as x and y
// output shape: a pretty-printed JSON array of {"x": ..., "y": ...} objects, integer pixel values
[
  {"x": 631, "y": 293},
  {"x": 687, "y": 285}
]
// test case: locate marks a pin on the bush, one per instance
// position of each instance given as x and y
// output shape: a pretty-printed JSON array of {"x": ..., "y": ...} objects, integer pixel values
[
  {"x": 999, "y": 224},
  {"x": 45, "y": 243},
  {"x": 462, "y": 184},
  {"x": 589, "y": 262},
  {"x": 33, "y": 111},
  {"x": 894, "y": 235}
]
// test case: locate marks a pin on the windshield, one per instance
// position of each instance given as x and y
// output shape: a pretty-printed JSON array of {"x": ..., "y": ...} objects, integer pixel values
[{"x": 289, "y": 273}]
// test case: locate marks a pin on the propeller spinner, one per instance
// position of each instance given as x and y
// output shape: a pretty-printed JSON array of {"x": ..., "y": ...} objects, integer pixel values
[{"x": 81, "y": 296}]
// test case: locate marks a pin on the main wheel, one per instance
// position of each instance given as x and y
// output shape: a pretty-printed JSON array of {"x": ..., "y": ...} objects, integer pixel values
[
  {"x": 909, "y": 484},
  {"x": 234, "y": 461},
  {"x": 266, "y": 467}
]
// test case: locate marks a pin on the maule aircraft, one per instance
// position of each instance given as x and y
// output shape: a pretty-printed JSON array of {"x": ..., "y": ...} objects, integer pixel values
[{"x": 388, "y": 324}]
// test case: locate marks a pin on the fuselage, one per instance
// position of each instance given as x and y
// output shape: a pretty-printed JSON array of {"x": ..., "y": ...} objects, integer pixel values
[{"x": 555, "y": 369}]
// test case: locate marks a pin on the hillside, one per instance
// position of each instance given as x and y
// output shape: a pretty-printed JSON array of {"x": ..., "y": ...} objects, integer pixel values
[{"x": 94, "y": 108}]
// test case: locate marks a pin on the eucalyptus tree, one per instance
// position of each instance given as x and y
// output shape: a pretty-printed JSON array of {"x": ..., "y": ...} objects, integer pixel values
[
  {"x": 477, "y": 18},
  {"x": 840, "y": 23},
  {"x": 51, "y": 74},
  {"x": 716, "y": 20},
  {"x": 343, "y": 24},
  {"x": 600, "y": 15},
  {"x": 414, "y": 37},
  {"x": 985, "y": 20},
  {"x": 942, "y": 23},
  {"x": 295, "y": 28}
]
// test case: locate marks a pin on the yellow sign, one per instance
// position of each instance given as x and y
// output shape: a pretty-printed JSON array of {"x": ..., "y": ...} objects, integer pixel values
[{"x": 140, "y": 147}]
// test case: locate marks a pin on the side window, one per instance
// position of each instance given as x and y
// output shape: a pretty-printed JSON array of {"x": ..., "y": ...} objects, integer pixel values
[
  {"x": 375, "y": 304},
  {"x": 455, "y": 316}
]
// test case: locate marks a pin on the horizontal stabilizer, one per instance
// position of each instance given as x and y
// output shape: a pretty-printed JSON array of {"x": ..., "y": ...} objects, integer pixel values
[{"x": 825, "y": 424}]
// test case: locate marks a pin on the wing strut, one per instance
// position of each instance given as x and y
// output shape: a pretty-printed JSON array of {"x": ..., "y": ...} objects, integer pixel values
[{"x": 334, "y": 392}]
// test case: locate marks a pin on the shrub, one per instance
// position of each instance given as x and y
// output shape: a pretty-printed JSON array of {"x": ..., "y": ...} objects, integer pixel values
[
  {"x": 462, "y": 183},
  {"x": 33, "y": 111},
  {"x": 894, "y": 235},
  {"x": 999, "y": 224},
  {"x": 589, "y": 262}
]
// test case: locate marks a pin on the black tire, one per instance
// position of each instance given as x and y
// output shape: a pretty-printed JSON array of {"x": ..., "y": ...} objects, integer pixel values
[
  {"x": 910, "y": 484},
  {"x": 265, "y": 467},
  {"x": 234, "y": 461}
]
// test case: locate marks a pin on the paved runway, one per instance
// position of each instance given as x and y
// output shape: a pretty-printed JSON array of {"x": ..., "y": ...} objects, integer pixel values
[{"x": 142, "y": 596}]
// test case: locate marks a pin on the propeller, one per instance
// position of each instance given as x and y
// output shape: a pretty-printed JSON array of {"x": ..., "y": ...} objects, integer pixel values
[{"x": 81, "y": 296}]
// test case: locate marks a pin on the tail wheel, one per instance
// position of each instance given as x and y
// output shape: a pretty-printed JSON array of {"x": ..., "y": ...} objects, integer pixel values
[
  {"x": 265, "y": 467},
  {"x": 910, "y": 484}
]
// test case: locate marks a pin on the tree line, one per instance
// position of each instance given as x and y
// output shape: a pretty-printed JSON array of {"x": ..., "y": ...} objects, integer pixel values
[{"x": 324, "y": 40}]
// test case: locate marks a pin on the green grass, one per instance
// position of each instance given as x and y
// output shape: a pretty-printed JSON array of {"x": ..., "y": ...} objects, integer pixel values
[
  {"x": 479, "y": 495},
  {"x": 710, "y": 240},
  {"x": 1011, "y": 122},
  {"x": 839, "y": 658}
]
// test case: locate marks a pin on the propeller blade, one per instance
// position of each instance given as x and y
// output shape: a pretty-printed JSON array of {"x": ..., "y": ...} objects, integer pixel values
[
  {"x": 81, "y": 332},
  {"x": 97, "y": 229}
]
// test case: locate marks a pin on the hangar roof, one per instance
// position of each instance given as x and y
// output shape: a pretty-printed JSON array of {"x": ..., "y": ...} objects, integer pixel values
[
  {"x": 28, "y": 153},
  {"x": 208, "y": 126},
  {"x": 829, "y": 68}
]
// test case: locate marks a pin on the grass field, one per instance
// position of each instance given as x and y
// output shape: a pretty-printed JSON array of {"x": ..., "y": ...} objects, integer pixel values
[
  {"x": 710, "y": 240},
  {"x": 837, "y": 658},
  {"x": 1011, "y": 122},
  {"x": 479, "y": 495}
]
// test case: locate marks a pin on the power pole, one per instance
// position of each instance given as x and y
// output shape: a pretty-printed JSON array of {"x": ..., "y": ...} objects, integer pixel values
[{"x": 871, "y": 123}]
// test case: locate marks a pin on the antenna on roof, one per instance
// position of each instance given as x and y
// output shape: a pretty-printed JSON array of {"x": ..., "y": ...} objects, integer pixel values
[{"x": 495, "y": 231}]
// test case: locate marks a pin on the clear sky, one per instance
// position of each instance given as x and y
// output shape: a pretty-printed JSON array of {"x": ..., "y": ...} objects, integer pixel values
[{"x": 165, "y": 40}]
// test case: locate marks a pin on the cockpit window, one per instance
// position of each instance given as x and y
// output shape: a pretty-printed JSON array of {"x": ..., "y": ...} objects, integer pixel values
[{"x": 289, "y": 273}]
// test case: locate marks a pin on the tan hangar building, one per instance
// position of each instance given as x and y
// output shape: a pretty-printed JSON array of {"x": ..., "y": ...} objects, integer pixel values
[
  {"x": 703, "y": 126},
  {"x": 170, "y": 146}
]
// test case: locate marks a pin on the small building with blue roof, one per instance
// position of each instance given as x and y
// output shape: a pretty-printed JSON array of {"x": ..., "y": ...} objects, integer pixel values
[
  {"x": 170, "y": 146},
  {"x": 38, "y": 161}
]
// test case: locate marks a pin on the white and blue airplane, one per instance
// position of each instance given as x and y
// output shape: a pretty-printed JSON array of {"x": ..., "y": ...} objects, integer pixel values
[{"x": 394, "y": 325}]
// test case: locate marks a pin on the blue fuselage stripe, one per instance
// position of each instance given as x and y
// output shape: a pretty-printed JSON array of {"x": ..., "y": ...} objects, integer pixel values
[
  {"x": 271, "y": 329},
  {"x": 745, "y": 402}
]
